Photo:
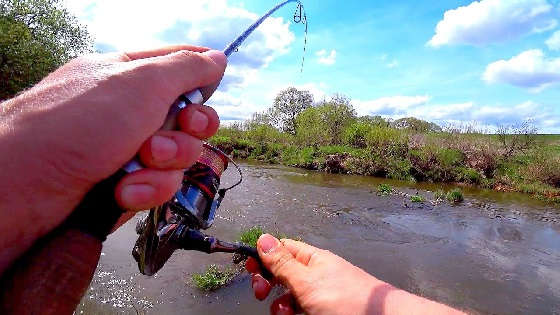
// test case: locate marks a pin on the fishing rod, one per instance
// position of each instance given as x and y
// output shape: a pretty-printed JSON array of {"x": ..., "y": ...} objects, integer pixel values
[{"x": 52, "y": 276}]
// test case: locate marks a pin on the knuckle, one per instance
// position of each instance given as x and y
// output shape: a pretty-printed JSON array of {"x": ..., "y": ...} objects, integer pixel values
[{"x": 282, "y": 263}]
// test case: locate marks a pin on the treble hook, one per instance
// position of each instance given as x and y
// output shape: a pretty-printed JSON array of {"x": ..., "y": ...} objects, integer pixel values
[{"x": 297, "y": 18}]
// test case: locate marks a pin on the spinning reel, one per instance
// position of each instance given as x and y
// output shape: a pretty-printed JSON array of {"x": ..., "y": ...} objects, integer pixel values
[{"x": 177, "y": 223}]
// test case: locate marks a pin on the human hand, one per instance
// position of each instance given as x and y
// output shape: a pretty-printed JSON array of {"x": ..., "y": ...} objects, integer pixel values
[
  {"x": 320, "y": 282},
  {"x": 85, "y": 121}
]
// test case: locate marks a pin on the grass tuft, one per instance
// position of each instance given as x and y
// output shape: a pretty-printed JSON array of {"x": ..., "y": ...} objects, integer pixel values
[
  {"x": 213, "y": 278},
  {"x": 455, "y": 196},
  {"x": 251, "y": 235},
  {"x": 384, "y": 189},
  {"x": 417, "y": 198}
]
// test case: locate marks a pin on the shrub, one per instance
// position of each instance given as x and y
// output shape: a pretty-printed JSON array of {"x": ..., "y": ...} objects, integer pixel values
[
  {"x": 293, "y": 156},
  {"x": 213, "y": 278},
  {"x": 417, "y": 198},
  {"x": 455, "y": 196},
  {"x": 356, "y": 133}
]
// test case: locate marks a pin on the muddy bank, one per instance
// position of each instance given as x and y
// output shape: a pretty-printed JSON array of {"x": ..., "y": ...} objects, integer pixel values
[{"x": 496, "y": 253}]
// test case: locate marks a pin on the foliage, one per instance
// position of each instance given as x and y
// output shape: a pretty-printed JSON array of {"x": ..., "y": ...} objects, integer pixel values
[
  {"x": 251, "y": 235},
  {"x": 415, "y": 124},
  {"x": 439, "y": 194},
  {"x": 455, "y": 196},
  {"x": 36, "y": 37},
  {"x": 213, "y": 278},
  {"x": 417, "y": 198},
  {"x": 325, "y": 123},
  {"x": 384, "y": 189},
  {"x": 288, "y": 104}
]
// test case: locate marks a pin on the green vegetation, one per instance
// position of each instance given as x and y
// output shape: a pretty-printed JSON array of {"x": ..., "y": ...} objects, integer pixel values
[
  {"x": 454, "y": 196},
  {"x": 384, "y": 189},
  {"x": 251, "y": 236},
  {"x": 36, "y": 37},
  {"x": 328, "y": 136},
  {"x": 439, "y": 195},
  {"x": 417, "y": 198},
  {"x": 214, "y": 277}
]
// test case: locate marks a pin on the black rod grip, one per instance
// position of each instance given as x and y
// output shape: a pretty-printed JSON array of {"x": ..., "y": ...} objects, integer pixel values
[
  {"x": 251, "y": 251},
  {"x": 52, "y": 276}
]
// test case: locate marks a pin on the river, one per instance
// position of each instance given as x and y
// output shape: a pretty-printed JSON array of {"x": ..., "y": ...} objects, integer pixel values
[{"x": 495, "y": 253}]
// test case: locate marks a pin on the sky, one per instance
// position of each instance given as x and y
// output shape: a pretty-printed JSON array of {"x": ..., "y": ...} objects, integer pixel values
[{"x": 490, "y": 62}]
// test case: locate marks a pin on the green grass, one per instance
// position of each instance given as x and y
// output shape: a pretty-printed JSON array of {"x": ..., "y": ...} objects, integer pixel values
[
  {"x": 417, "y": 198},
  {"x": 213, "y": 278},
  {"x": 455, "y": 196},
  {"x": 440, "y": 195},
  {"x": 251, "y": 235},
  {"x": 384, "y": 189}
]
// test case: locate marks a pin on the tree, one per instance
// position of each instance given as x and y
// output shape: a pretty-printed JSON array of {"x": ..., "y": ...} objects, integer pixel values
[
  {"x": 287, "y": 106},
  {"x": 415, "y": 124},
  {"x": 325, "y": 123},
  {"x": 36, "y": 37}
]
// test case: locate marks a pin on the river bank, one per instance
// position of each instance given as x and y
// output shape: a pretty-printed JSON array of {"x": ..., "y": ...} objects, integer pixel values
[
  {"x": 494, "y": 253},
  {"x": 474, "y": 160}
]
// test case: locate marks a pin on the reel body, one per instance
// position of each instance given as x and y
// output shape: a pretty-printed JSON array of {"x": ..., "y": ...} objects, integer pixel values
[{"x": 177, "y": 223}]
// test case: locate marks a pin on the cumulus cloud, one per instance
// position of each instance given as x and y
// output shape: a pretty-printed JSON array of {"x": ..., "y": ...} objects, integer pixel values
[
  {"x": 490, "y": 21},
  {"x": 326, "y": 58},
  {"x": 389, "y": 106},
  {"x": 530, "y": 69},
  {"x": 553, "y": 42},
  {"x": 396, "y": 107},
  {"x": 135, "y": 25}
]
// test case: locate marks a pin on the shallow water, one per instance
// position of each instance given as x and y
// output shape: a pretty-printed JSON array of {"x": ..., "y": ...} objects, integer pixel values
[{"x": 495, "y": 253}]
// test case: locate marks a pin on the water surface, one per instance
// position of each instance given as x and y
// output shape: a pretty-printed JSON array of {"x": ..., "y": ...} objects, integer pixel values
[{"x": 496, "y": 253}]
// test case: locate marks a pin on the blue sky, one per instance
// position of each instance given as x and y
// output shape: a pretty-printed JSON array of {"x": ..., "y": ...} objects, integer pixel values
[{"x": 490, "y": 61}]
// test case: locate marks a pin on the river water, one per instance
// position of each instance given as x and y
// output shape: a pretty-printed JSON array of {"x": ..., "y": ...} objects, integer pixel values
[{"x": 496, "y": 253}]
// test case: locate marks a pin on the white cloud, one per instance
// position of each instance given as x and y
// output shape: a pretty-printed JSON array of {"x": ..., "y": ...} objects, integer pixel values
[
  {"x": 129, "y": 25},
  {"x": 326, "y": 58},
  {"x": 392, "y": 105},
  {"x": 393, "y": 64},
  {"x": 530, "y": 69},
  {"x": 490, "y": 21},
  {"x": 553, "y": 42},
  {"x": 396, "y": 107}
]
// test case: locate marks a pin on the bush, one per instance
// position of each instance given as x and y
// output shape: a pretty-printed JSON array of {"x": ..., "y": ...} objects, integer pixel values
[
  {"x": 417, "y": 198},
  {"x": 293, "y": 156},
  {"x": 213, "y": 278},
  {"x": 455, "y": 196},
  {"x": 356, "y": 133}
]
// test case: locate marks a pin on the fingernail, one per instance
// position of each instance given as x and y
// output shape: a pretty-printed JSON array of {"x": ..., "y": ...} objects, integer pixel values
[
  {"x": 163, "y": 148},
  {"x": 284, "y": 310},
  {"x": 267, "y": 243},
  {"x": 137, "y": 194},
  {"x": 198, "y": 122},
  {"x": 217, "y": 56}
]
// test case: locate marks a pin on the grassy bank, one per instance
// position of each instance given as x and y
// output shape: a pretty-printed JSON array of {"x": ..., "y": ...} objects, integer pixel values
[{"x": 511, "y": 161}]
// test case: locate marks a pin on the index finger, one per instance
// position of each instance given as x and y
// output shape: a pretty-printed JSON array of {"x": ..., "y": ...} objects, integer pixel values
[{"x": 162, "y": 51}]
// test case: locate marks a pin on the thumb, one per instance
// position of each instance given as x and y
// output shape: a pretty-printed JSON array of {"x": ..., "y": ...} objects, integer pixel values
[
  {"x": 280, "y": 261},
  {"x": 181, "y": 72}
]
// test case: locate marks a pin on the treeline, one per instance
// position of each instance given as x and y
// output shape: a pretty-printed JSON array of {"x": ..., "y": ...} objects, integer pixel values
[{"x": 329, "y": 136}]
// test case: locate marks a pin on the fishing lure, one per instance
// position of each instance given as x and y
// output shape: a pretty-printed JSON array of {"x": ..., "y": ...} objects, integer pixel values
[{"x": 177, "y": 223}]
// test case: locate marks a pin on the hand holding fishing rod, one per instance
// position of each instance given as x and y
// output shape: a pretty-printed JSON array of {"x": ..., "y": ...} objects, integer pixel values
[{"x": 52, "y": 281}]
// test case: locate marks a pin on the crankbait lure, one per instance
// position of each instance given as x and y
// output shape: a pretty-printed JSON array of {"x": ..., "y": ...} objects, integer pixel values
[{"x": 177, "y": 223}]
